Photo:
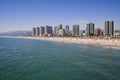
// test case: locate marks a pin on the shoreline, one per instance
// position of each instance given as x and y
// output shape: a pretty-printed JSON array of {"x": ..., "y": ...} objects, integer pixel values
[{"x": 108, "y": 43}]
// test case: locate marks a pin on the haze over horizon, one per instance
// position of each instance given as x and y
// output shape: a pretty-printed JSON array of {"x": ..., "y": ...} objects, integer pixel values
[{"x": 25, "y": 14}]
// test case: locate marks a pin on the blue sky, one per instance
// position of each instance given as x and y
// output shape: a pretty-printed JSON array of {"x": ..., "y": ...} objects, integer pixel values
[{"x": 25, "y": 14}]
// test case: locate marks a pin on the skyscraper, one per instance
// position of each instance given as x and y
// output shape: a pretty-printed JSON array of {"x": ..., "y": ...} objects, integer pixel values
[
  {"x": 109, "y": 28},
  {"x": 37, "y": 31},
  {"x": 60, "y": 26},
  {"x": 106, "y": 31},
  {"x": 76, "y": 30},
  {"x": 59, "y": 30},
  {"x": 48, "y": 30},
  {"x": 42, "y": 30},
  {"x": 55, "y": 31},
  {"x": 34, "y": 31},
  {"x": 66, "y": 30},
  {"x": 90, "y": 29},
  {"x": 97, "y": 32},
  {"x": 87, "y": 30}
]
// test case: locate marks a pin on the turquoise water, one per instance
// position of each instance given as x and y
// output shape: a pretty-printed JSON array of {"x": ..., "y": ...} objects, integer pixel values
[{"x": 24, "y": 59}]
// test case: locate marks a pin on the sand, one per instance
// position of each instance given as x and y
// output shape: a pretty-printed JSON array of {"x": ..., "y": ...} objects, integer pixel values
[{"x": 96, "y": 42}]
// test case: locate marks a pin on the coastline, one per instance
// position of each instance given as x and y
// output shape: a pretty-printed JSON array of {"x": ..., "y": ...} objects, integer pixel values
[{"x": 108, "y": 43}]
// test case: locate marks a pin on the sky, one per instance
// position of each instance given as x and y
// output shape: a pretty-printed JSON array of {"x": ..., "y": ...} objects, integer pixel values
[{"x": 26, "y": 14}]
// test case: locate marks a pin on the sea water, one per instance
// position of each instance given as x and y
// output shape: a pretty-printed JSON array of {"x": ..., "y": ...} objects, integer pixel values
[{"x": 27, "y": 59}]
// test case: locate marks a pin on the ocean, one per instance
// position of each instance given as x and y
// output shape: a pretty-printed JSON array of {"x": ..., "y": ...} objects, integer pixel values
[{"x": 27, "y": 59}]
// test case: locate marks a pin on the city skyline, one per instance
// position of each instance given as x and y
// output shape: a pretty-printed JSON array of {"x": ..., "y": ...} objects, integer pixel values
[
  {"x": 90, "y": 30},
  {"x": 25, "y": 14}
]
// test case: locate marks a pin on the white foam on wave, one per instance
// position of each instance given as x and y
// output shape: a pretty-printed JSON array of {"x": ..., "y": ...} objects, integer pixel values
[{"x": 115, "y": 47}]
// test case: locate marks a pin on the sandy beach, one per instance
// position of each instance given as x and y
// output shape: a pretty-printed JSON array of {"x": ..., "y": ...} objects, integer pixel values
[{"x": 76, "y": 40}]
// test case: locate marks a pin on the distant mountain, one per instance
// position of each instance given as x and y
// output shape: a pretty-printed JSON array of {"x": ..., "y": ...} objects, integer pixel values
[{"x": 16, "y": 33}]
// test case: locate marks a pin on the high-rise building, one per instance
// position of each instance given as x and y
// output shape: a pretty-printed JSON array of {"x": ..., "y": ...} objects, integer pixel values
[
  {"x": 60, "y": 26},
  {"x": 48, "y": 30},
  {"x": 66, "y": 30},
  {"x": 37, "y": 31},
  {"x": 76, "y": 30},
  {"x": 106, "y": 33},
  {"x": 42, "y": 30},
  {"x": 34, "y": 31},
  {"x": 87, "y": 30},
  {"x": 97, "y": 32},
  {"x": 55, "y": 31},
  {"x": 61, "y": 32},
  {"x": 90, "y": 29},
  {"x": 109, "y": 28}
]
